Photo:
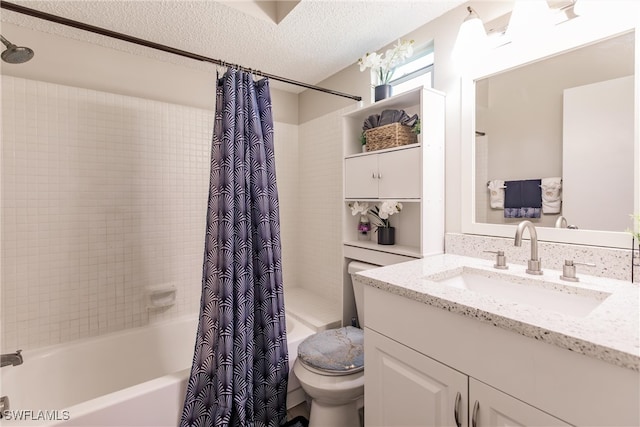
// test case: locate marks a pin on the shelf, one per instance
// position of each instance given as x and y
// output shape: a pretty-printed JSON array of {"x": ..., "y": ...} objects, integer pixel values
[
  {"x": 386, "y": 150},
  {"x": 400, "y": 101},
  {"x": 409, "y": 251}
]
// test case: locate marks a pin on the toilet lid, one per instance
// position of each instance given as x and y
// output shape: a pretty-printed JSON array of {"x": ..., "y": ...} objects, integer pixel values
[{"x": 338, "y": 351}]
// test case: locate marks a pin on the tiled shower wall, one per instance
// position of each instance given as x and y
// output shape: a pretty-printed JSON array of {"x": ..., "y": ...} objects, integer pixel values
[
  {"x": 102, "y": 196},
  {"x": 320, "y": 230}
]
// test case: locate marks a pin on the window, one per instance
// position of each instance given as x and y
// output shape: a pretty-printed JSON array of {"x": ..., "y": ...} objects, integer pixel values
[{"x": 417, "y": 72}]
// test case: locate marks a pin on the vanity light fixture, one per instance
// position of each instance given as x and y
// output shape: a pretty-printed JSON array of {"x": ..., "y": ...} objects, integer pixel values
[
  {"x": 471, "y": 42},
  {"x": 528, "y": 18},
  {"x": 588, "y": 7},
  {"x": 606, "y": 9}
]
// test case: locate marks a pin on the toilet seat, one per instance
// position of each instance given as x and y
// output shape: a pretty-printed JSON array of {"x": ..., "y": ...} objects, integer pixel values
[{"x": 334, "y": 352}]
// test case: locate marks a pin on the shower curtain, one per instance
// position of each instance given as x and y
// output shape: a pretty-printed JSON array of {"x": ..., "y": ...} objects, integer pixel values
[{"x": 240, "y": 365}]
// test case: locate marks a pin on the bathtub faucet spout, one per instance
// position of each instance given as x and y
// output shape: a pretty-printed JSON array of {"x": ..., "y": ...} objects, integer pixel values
[{"x": 13, "y": 359}]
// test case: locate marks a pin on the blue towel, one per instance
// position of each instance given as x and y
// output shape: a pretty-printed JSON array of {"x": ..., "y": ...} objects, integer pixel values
[{"x": 523, "y": 194}]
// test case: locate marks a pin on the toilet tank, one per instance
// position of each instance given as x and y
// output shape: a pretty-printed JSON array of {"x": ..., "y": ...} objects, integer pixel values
[{"x": 358, "y": 288}]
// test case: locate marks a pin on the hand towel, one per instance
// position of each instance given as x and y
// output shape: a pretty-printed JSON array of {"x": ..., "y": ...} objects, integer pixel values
[
  {"x": 523, "y": 194},
  {"x": 522, "y": 199},
  {"x": 512, "y": 213},
  {"x": 496, "y": 193},
  {"x": 551, "y": 198}
]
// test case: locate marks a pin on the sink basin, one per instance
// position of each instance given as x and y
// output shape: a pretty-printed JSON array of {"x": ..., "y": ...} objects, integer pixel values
[{"x": 539, "y": 293}]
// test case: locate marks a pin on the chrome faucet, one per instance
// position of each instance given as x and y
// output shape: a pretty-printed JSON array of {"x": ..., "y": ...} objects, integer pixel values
[
  {"x": 561, "y": 222},
  {"x": 534, "y": 263},
  {"x": 13, "y": 359}
]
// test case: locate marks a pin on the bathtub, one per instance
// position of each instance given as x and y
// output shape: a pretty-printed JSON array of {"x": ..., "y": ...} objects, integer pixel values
[{"x": 135, "y": 377}]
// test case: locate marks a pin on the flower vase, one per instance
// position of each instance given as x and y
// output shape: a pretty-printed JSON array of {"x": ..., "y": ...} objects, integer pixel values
[
  {"x": 386, "y": 235},
  {"x": 382, "y": 92},
  {"x": 364, "y": 228}
]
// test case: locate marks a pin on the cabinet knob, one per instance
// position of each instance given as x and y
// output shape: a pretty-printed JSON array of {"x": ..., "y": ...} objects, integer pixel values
[
  {"x": 373, "y": 175},
  {"x": 379, "y": 175}
]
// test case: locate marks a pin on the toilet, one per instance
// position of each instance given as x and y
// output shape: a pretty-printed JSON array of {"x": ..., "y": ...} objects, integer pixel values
[{"x": 330, "y": 368}]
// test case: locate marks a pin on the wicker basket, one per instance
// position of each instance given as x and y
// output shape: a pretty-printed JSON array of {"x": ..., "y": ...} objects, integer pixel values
[{"x": 389, "y": 136}]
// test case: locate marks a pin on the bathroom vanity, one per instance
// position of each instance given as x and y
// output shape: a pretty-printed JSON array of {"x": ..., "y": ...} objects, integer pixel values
[{"x": 452, "y": 341}]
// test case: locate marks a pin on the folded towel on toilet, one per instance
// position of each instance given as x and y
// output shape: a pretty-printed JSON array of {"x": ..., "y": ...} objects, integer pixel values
[
  {"x": 551, "y": 195},
  {"x": 496, "y": 193}
]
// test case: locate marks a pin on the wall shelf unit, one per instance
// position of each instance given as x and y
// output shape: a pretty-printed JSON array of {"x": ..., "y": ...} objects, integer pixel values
[{"x": 412, "y": 174}]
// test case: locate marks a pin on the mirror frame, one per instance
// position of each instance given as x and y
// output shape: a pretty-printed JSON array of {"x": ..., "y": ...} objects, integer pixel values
[{"x": 573, "y": 34}]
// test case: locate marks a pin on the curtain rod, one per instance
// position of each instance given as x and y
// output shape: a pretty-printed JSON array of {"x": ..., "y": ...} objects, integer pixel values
[{"x": 102, "y": 31}]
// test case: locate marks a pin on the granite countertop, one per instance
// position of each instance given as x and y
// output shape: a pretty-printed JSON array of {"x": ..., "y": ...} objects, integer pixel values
[{"x": 610, "y": 332}]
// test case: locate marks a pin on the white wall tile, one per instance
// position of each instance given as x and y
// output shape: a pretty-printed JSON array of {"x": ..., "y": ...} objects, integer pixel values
[
  {"x": 102, "y": 195},
  {"x": 320, "y": 207},
  {"x": 287, "y": 175}
]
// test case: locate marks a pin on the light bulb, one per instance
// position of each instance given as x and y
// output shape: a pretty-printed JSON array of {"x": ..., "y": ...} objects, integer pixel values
[
  {"x": 471, "y": 42},
  {"x": 528, "y": 18}
]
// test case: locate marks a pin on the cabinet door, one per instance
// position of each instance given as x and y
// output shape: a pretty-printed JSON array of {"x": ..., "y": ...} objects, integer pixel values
[
  {"x": 399, "y": 174},
  {"x": 361, "y": 177},
  {"x": 406, "y": 388},
  {"x": 491, "y": 407}
]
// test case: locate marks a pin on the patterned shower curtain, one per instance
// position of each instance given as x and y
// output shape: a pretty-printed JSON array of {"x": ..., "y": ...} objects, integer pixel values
[{"x": 240, "y": 365}]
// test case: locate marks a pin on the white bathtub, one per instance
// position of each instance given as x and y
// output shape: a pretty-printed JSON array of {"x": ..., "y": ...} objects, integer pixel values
[{"x": 136, "y": 377}]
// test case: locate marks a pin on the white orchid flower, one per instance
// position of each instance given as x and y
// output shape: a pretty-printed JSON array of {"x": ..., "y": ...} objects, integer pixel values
[
  {"x": 382, "y": 212},
  {"x": 370, "y": 60},
  {"x": 383, "y": 65},
  {"x": 359, "y": 208}
]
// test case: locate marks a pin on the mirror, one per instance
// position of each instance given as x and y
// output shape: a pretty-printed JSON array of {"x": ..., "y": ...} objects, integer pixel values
[
  {"x": 569, "y": 114},
  {"x": 532, "y": 128}
]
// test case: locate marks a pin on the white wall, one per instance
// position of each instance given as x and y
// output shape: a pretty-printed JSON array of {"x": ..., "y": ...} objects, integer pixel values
[{"x": 77, "y": 63}]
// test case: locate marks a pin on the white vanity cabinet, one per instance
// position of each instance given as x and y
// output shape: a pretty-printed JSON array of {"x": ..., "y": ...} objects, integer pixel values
[
  {"x": 491, "y": 407},
  {"x": 407, "y": 388},
  {"x": 420, "y": 358},
  {"x": 388, "y": 175}
]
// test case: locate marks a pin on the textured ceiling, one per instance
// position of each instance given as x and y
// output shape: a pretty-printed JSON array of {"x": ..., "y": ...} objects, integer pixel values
[{"x": 312, "y": 41}]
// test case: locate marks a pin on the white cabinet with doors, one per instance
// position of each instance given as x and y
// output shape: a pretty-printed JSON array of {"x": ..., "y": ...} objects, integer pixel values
[
  {"x": 491, "y": 407},
  {"x": 439, "y": 364},
  {"x": 407, "y": 388},
  {"x": 389, "y": 175}
]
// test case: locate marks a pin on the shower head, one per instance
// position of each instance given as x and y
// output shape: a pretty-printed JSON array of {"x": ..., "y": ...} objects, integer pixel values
[{"x": 15, "y": 54}]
